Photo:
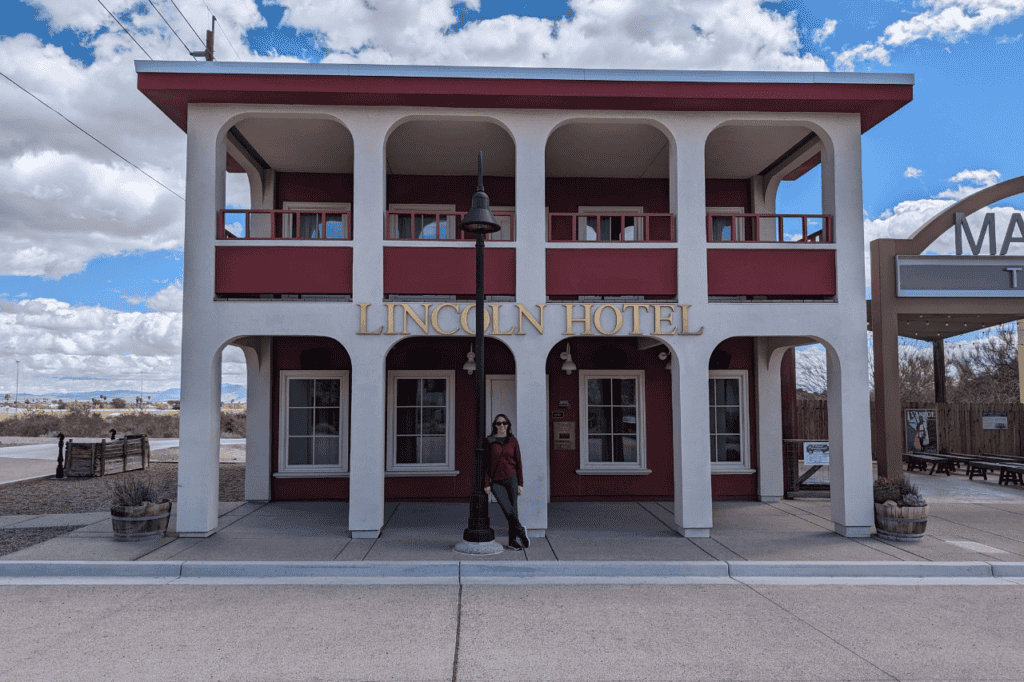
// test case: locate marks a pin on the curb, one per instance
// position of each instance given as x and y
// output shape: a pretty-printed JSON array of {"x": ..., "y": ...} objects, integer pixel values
[{"x": 500, "y": 572}]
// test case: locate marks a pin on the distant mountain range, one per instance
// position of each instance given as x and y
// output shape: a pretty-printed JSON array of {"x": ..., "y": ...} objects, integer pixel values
[{"x": 228, "y": 392}]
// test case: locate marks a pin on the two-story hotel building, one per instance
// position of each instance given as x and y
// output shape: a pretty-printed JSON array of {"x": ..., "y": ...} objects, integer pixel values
[{"x": 640, "y": 297}]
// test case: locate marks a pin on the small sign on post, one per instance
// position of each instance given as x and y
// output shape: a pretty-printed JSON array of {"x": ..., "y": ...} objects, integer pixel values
[{"x": 816, "y": 454}]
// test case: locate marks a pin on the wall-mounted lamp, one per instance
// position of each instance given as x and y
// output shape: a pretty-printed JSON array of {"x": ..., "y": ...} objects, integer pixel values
[
  {"x": 665, "y": 355},
  {"x": 568, "y": 366},
  {"x": 470, "y": 365}
]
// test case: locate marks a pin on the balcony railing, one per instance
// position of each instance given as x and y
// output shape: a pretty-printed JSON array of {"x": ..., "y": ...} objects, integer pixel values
[
  {"x": 418, "y": 226},
  {"x": 770, "y": 227},
  {"x": 281, "y": 224},
  {"x": 617, "y": 227}
]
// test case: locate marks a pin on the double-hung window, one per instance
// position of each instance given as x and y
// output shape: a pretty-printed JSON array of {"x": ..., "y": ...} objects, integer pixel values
[
  {"x": 612, "y": 422},
  {"x": 317, "y": 220},
  {"x": 727, "y": 398},
  {"x": 421, "y": 421},
  {"x": 610, "y": 224},
  {"x": 314, "y": 422}
]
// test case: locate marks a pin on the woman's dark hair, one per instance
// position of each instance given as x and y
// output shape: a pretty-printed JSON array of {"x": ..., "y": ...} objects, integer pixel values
[{"x": 494, "y": 429}]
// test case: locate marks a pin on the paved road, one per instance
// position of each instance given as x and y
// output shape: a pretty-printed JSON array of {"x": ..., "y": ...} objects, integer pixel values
[
  {"x": 638, "y": 632},
  {"x": 49, "y": 450}
]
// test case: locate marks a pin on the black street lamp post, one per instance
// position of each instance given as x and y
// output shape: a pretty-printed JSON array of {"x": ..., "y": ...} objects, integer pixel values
[{"x": 478, "y": 538}]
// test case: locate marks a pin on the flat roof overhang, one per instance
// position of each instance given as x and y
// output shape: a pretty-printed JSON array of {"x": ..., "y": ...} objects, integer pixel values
[
  {"x": 172, "y": 86},
  {"x": 932, "y": 319}
]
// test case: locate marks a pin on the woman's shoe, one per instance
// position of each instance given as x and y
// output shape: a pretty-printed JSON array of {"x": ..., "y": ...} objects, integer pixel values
[
  {"x": 525, "y": 540},
  {"x": 515, "y": 546}
]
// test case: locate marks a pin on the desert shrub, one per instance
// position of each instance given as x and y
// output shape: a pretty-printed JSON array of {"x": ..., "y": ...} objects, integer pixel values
[
  {"x": 899, "y": 490},
  {"x": 78, "y": 421},
  {"x": 233, "y": 423},
  {"x": 132, "y": 491},
  {"x": 153, "y": 425}
]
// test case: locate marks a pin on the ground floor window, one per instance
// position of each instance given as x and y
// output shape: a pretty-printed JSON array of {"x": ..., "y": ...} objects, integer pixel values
[
  {"x": 314, "y": 417},
  {"x": 727, "y": 396},
  {"x": 612, "y": 418},
  {"x": 421, "y": 433}
]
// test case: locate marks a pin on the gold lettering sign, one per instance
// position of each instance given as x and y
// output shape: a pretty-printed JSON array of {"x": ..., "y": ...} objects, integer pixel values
[{"x": 660, "y": 318}]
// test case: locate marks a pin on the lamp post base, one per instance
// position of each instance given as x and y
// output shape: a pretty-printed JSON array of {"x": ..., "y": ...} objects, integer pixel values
[{"x": 479, "y": 548}]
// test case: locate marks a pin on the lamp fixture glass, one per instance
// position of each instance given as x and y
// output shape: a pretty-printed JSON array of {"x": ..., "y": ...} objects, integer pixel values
[
  {"x": 470, "y": 365},
  {"x": 665, "y": 355},
  {"x": 568, "y": 366}
]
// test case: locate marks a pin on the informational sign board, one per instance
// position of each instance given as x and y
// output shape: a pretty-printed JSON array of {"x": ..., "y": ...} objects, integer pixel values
[
  {"x": 921, "y": 431},
  {"x": 816, "y": 454},
  {"x": 564, "y": 435},
  {"x": 960, "y": 276},
  {"x": 994, "y": 420}
]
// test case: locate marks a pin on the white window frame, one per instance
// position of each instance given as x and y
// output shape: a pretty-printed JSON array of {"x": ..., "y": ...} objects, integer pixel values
[
  {"x": 742, "y": 466},
  {"x": 613, "y": 468},
  {"x": 740, "y": 222},
  {"x": 312, "y": 207},
  {"x": 284, "y": 469},
  {"x": 443, "y": 209},
  {"x": 392, "y": 466},
  {"x": 581, "y": 224}
]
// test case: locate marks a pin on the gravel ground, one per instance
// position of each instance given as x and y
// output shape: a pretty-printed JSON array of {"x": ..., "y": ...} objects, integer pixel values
[{"x": 79, "y": 495}]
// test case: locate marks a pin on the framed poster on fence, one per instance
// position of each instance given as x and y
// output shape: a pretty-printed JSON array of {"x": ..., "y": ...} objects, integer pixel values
[{"x": 921, "y": 431}]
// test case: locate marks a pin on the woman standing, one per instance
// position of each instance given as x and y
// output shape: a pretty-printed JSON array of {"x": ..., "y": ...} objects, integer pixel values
[{"x": 504, "y": 477}]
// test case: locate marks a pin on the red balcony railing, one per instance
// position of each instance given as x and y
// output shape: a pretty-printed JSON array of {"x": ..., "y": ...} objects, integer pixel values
[
  {"x": 280, "y": 224},
  {"x": 613, "y": 227},
  {"x": 752, "y": 227},
  {"x": 417, "y": 226}
]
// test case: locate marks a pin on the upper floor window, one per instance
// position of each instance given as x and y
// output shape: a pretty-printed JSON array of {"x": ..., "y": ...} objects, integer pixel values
[
  {"x": 316, "y": 220},
  {"x": 440, "y": 222},
  {"x": 611, "y": 224}
]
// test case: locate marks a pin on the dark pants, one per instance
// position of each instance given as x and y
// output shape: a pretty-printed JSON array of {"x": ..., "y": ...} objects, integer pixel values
[{"x": 506, "y": 492}]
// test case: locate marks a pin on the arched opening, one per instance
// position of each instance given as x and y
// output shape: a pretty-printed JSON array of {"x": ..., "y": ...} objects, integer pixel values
[
  {"x": 611, "y": 406},
  {"x": 608, "y": 181},
  {"x": 431, "y": 412},
  {"x": 432, "y": 176}
]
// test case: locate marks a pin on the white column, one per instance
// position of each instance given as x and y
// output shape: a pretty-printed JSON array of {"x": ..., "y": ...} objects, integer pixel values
[
  {"x": 532, "y": 433},
  {"x": 258, "y": 419},
  {"x": 530, "y": 134},
  {"x": 849, "y": 442},
  {"x": 366, "y": 456},
  {"x": 768, "y": 361},
  {"x": 848, "y": 419},
  {"x": 690, "y": 432},
  {"x": 199, "y": 442}
]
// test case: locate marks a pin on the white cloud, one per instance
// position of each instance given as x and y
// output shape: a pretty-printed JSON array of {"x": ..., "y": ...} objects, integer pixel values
[
  {"x": 950, "y": 20},
  {"x": 820, "y": 35},
  {"x": 1005, "y": 40},
  {"x": 912, "y": 172},
  {"x": 167, "y": 300},
  {"x": 65, "y": 347},
  {"x": 846, "y": 60},
  {"x": 902, "y": 220},
  {"x": 676, "y": 34}
]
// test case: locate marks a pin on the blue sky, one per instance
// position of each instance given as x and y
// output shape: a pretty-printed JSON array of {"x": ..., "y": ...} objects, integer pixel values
[{"x": 104, "y": 240}]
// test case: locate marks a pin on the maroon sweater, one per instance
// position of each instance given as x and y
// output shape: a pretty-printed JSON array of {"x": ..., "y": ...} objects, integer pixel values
[{"x": 506, "y": 461}]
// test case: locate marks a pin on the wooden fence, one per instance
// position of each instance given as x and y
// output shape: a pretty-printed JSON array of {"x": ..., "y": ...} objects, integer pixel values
[
  {"x": 106, "y": 457},
  {"x": 959, "y": 426}
]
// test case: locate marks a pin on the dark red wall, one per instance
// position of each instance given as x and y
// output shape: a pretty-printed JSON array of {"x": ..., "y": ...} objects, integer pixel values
[
  {"x": 727, "y": 192},
  {"x": 437, "y": 354},
  {"x": 283, "y": 270},
  {"x": 566, "y": 195},
  {"x": 448, "y": 189},
  {"x": 447, "y": 270},
  {"x": 647, "y": 272},
  {"x": 303, "y": 352},
  {"x": 771, "y": 272},
  {"x": 325, "y": 187}
]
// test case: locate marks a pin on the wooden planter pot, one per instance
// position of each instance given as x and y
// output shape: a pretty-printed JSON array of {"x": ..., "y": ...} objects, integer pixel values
[
  {"x": 903, "y": 524},
  {"x": 144, "y": 522}
]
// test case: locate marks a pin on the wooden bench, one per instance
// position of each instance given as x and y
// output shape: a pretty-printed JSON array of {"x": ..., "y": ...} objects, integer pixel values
[
  {"x": 106, "y": 457},
  {"x": 920, "y": 461},
  {"x": 980, "y": 467},
  {"x": 1011, "y": 473}
]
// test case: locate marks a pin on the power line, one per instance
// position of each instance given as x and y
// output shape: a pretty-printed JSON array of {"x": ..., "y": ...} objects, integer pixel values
[
  {"x": 172, "y": 29},
  {"x": 91, "y": 135},
  {"x": 123, "y": 28},
  {"x": 186, "y": 20}
]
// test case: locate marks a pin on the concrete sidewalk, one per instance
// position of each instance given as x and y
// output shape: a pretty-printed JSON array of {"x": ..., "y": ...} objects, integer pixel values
[{"x": 971, "y": 523}]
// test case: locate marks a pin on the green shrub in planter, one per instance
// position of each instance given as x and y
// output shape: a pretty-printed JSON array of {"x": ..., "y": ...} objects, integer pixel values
[{"x": 901, "y": 512}]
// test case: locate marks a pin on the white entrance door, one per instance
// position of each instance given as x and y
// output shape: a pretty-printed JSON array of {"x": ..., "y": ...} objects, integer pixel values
[{"x": 501, "y": 398}]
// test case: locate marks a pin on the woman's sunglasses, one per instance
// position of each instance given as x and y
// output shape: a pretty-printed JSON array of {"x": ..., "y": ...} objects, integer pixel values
[{"x": 501, "y": 423}]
